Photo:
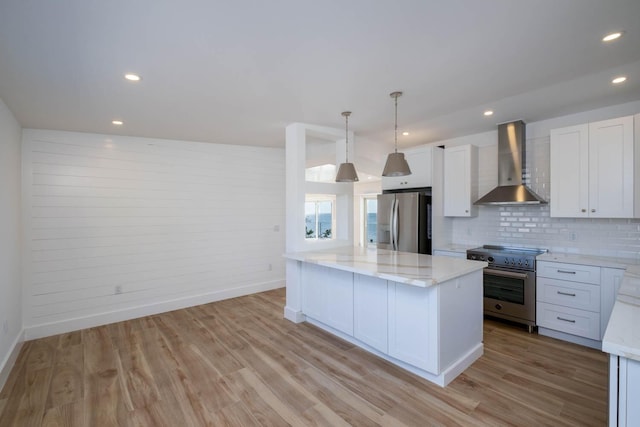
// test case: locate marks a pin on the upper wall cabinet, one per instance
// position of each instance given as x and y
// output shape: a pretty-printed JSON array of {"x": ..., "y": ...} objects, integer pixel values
[
  {"x": 592, "y": 170},
  {"x": 421, "y": 164},
  {"x": 460, "y": 180}
]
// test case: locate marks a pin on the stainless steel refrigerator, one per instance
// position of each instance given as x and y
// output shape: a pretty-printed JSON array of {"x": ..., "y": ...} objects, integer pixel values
[{"x": 404, "y": 221}]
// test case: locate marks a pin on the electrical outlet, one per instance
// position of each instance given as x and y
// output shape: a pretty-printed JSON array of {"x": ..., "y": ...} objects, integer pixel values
[
  {"x": 5, "y": 326},
  {"x": 573, "y": 236},
  {"x": 118, "y": 290},
  {"x": 276, "y": 228},
  {"x": 270, "y": 267}
]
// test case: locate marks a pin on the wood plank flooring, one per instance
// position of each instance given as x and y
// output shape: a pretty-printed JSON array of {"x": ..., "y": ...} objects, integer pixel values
[{"x": 239, "y": 363}]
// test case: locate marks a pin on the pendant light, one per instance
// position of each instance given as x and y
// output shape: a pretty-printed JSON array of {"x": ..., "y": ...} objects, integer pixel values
[
  {"x": 346, "y": 171},
  {"x": 396, "y": 163}
]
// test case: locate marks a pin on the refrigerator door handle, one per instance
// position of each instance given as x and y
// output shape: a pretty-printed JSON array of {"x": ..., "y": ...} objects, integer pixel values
[
  {"x": 391, "y": 218},
  {"x": 429, "y": 229},
  {"x": 396, "y": 231}
]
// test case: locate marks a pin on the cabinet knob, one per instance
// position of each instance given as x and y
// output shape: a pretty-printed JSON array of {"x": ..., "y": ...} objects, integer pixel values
[
  {"x": 466, "y": 211},
  {"x": 593, "y": 210},
  {"x": 584, "y": 210}
]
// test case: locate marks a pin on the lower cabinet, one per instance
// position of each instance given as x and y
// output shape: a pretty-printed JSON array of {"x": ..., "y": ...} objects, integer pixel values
[
  {"x": 576, "y": 299},
  {"x": 568, "y": 299},
  {"x": 413, "y": 326},
  {"x": 370, "y": 312},
  {"x": 327, "y": 296},
  {"x": 624, "y": 392},
  {"x": 611, "y": 281}
]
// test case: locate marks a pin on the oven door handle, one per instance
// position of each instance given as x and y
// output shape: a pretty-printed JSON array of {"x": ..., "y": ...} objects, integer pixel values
[{"x": 502, "y": 273}]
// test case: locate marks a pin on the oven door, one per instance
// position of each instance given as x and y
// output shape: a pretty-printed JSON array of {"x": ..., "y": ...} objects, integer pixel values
[{"x": 510, "y": 295}]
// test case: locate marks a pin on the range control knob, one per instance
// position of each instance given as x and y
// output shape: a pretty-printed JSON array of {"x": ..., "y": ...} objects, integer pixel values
[{"x": 490, "y": 259}]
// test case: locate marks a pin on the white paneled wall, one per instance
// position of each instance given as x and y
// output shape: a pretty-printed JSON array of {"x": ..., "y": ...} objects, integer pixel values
[
  {"x": 10, "y": 290},
  {"x": 118, "y": 227},
  {"x": 532, "y": 226}
]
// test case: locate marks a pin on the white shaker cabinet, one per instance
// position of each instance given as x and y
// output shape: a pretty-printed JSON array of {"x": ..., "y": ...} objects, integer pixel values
[
  {"x": 421, "y": 162},
  {"x": 611, "y": 279},
  {"x": 568, "y": 302},
  {"x": 413, "y": 325},
  {"x": 569, "y": 171},
  {"x": 370, "y": 311},
  {"x": 460, "y": 181},
  {"x": 592, "y": 170},
  {"x": 624, "y": 392},
  {"x": 327, "y": 295},
  {"x": 576, "y": 299}
]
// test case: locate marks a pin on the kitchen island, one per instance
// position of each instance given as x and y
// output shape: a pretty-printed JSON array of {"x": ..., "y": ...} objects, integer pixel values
[
  {"x": 419, "y": 312},
  {"x": 622, "y": 342}
]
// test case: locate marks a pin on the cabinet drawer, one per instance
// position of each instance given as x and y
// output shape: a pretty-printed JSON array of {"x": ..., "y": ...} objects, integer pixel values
[
  {"x": 570, "y": 320},
  {"x": 571, "y": 272},
  {"x": 568, "y": 294}
]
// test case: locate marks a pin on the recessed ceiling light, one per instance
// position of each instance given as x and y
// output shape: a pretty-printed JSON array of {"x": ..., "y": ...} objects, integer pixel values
[
  {"x": 117, "y": 122},
  {"x": 618, "y": 80},
  {"x": 488, "y": 113},
  {"x": 613, "y": 36},
  {"x": 132, "y": 77},
  {"x": 405, "y": 133}
]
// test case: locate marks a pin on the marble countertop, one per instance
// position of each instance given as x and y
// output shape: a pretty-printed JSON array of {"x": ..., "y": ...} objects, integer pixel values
[
  {"x": 453, "y": 247},
  {"x": 622, "y": 336},
  {"x": 598, "y": 261},
  {"x": 403, "y": 267}
]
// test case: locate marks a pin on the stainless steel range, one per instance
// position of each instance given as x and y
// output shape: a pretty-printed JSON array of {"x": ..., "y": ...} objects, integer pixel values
[{"x": 509, "y": 282}]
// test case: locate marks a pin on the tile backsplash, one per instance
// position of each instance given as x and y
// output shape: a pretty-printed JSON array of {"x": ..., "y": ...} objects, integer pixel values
[{"x": 531, "y": 226}]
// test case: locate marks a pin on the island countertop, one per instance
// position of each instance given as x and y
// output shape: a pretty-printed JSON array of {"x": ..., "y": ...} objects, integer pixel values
[
  {"x": 622, "y": 336},
  {"x": 402, "y": 267}
]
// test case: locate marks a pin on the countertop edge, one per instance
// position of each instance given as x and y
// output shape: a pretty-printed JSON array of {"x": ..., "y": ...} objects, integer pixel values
[{"x": 319, "y": 258}]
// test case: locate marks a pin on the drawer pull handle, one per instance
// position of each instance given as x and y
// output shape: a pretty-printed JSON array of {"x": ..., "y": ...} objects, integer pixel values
[
  {"x": 566, "y": 293},
  {"x": 566, "y": 272},
  {"x": 565, "y": 320}
]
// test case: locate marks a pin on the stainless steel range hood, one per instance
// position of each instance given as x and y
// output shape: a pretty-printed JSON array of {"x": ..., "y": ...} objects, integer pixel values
[{"x": 511, "y": 161}]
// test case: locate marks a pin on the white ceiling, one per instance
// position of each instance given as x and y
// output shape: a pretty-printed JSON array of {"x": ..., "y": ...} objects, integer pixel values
[{"x": 237, "y": 72}]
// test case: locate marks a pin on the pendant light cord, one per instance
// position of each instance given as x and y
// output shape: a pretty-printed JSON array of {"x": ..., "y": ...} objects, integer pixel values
[
  {"x": 396, "y": 128},
  {"x": 346, "y": 115},
  {"x": 395, "y": 96},
  {"x": 346, "y": 143}
]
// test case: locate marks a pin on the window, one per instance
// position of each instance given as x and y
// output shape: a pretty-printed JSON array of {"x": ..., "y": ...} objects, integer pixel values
[
  {"x": 319, "y": 216},
  {"x": 370, "y": 220}
]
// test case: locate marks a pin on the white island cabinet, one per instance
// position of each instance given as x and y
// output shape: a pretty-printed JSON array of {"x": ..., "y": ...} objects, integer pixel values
[
  {"x": 622, "y": 342},
  {"x": 420, "y": 312}
]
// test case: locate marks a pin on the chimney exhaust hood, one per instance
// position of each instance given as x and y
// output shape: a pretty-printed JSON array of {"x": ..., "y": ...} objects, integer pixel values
[{"x": 511, "y": 161}]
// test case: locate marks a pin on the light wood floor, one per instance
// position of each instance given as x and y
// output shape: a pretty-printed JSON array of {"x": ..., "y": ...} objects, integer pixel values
[{"x": 237, "y": 362}]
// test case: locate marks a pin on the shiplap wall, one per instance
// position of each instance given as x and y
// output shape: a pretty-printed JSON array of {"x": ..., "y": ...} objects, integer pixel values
[
  {"x": 531, "y": 226},
  {"x": 10, "y": 289},
  {"x": 119, "y": 227}
]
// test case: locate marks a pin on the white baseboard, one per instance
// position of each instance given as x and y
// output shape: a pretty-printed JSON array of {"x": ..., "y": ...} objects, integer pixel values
[
  {"x": 10, "y": 360},
  {"x": 294, "y": 316},
  {"x": 587, "y": 342},
  {"x": 69, "y": 325},
  {"x": 442, "y": 379}
]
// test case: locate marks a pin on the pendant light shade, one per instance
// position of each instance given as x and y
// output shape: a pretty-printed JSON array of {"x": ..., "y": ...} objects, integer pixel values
[
  {"x": 396, "y": 164},
  {"x": 346, "y": 171}
]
